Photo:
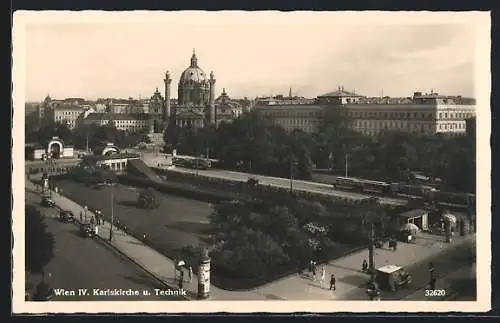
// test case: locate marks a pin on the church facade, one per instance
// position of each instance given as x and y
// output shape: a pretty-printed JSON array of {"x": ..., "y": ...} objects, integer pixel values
[{"x": 196, "y": 105}]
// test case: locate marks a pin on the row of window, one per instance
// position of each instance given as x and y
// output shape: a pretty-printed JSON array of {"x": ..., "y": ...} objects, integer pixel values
[
  {"x": 298, "y": 121},
  {"x": 390, "y": 125},
  {"x": 293, "y": 114},
  {"x": 459, "y": 115},
  {"x": 117, "y": 165},
  {"x": 66, "y": 113},
  {"x": 451, "y": 126},
  {"x": 391, "y": 115},
  {"x": 374, "y": 114},
  {"x": 401, "y": 125}
]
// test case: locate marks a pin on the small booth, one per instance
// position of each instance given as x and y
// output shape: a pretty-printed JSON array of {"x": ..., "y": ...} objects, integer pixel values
[{"x": 417, "y": 217}]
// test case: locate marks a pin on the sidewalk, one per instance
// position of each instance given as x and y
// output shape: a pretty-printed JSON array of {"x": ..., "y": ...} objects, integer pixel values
[
  {"x": 446, "y": 283},
  {"x": 294, "y": 287}
]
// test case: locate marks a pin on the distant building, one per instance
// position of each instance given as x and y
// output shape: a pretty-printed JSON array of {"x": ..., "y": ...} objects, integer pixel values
[
  {"x": 305, "y": 117},
  {"x": 226, "y": 108},
  {"x": 122, "y": 121},
  {"x": 67, "y": 114},
  {"x": 426, "y": 114}
]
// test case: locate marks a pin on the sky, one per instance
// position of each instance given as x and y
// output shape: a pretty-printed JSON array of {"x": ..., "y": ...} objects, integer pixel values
[{"x": 251, "y": 54}]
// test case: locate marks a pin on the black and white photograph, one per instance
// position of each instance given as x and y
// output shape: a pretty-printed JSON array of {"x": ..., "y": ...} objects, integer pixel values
[{"x": 240, "y": 160}]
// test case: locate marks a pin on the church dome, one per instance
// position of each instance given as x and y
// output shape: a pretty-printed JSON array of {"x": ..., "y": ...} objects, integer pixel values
[{"x": 193, "y": 74}]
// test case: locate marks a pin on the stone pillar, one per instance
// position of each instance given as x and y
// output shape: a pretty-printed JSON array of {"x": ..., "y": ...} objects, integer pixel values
[
  {"x": 166, "y": 112},
  {"x": 204, "y": 276},
  {"x": 212, "y": 98}
]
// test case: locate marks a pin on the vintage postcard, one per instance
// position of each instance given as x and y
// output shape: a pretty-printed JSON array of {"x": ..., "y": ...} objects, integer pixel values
[{"x": 193, "y": 162}]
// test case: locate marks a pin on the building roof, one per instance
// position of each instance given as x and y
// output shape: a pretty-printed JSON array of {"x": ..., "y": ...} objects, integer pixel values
[
  {"x": 389, "y": 269},
  {"x": 68, "y": 107},
  {"x": 413, "y": 213},
  {"x": 117, "y": 116},
  {"x": 340, "y": 93},
  {"x": 193, "y": 74}
]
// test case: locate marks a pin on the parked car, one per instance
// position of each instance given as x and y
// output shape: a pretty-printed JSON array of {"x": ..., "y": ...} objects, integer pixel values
[
  {"x": 66, "y": 216},
  {"x": 48, "y": 201},
  {"x": 391, "y": 277},
  {"x": 87, "y": 230}
]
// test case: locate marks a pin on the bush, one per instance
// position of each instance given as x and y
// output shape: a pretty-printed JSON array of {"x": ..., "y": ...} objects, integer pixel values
[
  {"x": 147, "y": 199},
  {"x": 39, "y": 242}
]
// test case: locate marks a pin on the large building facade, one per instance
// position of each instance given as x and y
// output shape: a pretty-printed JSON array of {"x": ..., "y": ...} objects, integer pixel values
[
  {"x": 425, "y": 114},
  {"x": 196, "y": 105}
]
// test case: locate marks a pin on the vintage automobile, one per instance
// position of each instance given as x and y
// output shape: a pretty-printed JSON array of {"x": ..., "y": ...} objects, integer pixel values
[
  {"x": 391, "y": 277},
  {"x": 48, "y": 201},
  {"x": 66, "y": 216},
  {"x": 87, "y": 230}
]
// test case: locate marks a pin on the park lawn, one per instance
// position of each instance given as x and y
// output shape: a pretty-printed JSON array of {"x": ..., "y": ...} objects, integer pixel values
[{"x": 176, "y": 223}]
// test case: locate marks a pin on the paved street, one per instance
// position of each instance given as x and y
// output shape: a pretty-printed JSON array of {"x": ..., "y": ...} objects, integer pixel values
[
  {"x": 85, "y": 263},
  {"x": 151, "y": 160},
  {"x": 454, "y": 258}
]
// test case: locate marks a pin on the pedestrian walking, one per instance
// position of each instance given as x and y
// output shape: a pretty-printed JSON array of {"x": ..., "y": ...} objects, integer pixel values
[
  {"x": 332, "y": 282},
  {"x": 181, "y": 279},
  {"x": 175, "y": 268},
  {"x": 92, "y": 220},
  {"x": 364, "y": 267},
  {"x": 314, "y": 271},
  {"x": 190, "y": 273},
  {"x": 394, "y": 245}
]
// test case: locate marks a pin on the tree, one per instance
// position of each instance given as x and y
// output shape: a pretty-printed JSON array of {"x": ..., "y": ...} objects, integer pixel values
[
  {"x": 39, "y": 242},
  {"x": 147, "y": 199}
]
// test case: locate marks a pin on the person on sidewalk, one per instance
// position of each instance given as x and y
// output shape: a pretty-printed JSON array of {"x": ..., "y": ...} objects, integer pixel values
[
  {"x": 175, "y": 268},
  {"x": 181, "y": 279},
  {"x": 323, "y": 275},
  {"x": 364, "y": 267},
  {"x": 314, "y": 271},
  {"x": 332, "y": 282}
]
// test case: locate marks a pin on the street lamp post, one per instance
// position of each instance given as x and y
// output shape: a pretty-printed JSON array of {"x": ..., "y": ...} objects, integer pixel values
[
  {"x": 346, "y": 164},
  {"x": 293, "y": 163},
  {"x": 371, "y": 253}
]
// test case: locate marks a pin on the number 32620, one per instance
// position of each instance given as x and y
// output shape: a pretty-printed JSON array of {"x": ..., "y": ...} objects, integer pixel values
[{"x": 435, "y": 292}]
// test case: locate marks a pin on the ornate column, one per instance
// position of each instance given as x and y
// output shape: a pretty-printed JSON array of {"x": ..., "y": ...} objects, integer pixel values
[
  {"x": 166, "y": 112},
  {"x": 212, "y": 98}
]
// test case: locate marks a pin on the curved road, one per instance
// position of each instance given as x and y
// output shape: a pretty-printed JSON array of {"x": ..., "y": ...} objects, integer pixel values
[
  {"x": 284, "y": 182},
  {"x": 88, "y": 264}
]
